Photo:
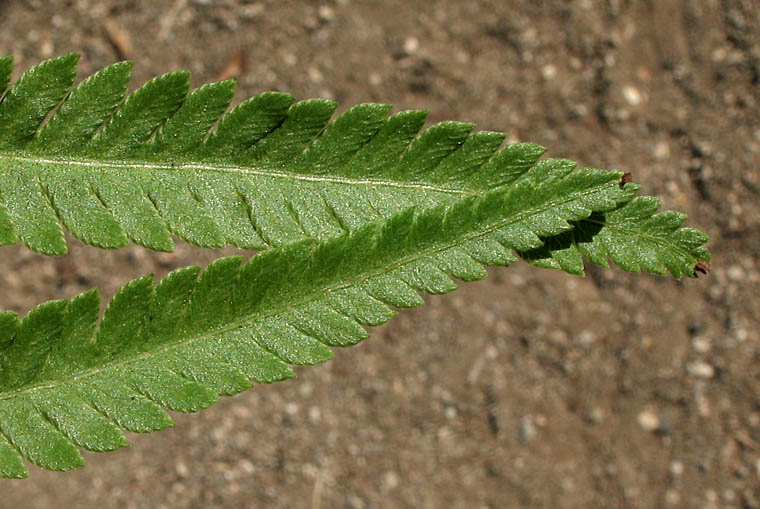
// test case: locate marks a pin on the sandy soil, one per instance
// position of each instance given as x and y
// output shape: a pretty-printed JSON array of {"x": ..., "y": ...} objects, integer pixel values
[{"x": 531, "y": 388}]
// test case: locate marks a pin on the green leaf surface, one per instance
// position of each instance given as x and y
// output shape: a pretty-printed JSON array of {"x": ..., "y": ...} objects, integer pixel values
[
  {"x": 356, "y": 215},
  {"x": 634, "y": 236},
  {"x": 67, "y": 381},
  {"x": 112, "y": 168}
]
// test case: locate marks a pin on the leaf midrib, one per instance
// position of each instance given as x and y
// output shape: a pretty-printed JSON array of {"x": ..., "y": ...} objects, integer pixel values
[
  {"x": 220, "y": 167},
  {"x": 486, "y": 230}
]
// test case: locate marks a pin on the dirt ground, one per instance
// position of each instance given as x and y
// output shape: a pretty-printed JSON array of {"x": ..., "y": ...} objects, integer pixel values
[{"x": 531, "y": 388}]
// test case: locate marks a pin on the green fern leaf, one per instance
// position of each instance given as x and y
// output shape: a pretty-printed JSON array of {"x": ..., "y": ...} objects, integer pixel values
[
  {"x": 272, "y": 172},
  {"x": 633, "y": 236},
  {"x": 66, "y": 382},
  {"x": 357, "y": 215}
]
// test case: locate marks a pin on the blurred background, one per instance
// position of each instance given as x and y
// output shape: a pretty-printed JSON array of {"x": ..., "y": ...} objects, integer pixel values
[{"x": 531, "y": 388}]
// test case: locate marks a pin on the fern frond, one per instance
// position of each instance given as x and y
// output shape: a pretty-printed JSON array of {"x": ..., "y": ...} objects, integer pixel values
[
  {"x": 66, "y": 381},
  {"x": 357, "y": 215},
  {"x": 634, "y": 236},
  {"x": 270, "y": 173},
  {"x": 111, "y": 169}
]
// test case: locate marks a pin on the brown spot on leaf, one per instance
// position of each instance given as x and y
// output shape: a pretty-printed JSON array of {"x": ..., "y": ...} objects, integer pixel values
[
  {"x": 702, "y": 267},
  {"x": 627, "y": 177}
]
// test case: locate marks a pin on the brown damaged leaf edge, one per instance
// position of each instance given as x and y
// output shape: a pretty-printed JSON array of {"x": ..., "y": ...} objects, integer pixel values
[{"x": 702, "y": 267}]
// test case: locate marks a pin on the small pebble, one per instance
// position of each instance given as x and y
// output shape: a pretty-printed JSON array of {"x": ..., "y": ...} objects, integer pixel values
[
  {"x": 632, "y": 95},
  {"x": 375, "y": 78},
  {"x": 326, "y": 13},
  {"x": 719, "y": 54},
  {"x": 246, "y": 466},
  {"x": 700, "y": 345},
  {"x": 648, "y": 420},
  {"x": 676, "y": 468},
  {"x": 594, "y": 415},
  {"x": 390, "y": 480},
  {"x": 46, "y": 48},
  {"x": 549, "y": 72},
  {"x": 315, "y": 75},
  {"x": 699, "y": 369},
  {"x": 181, "y": 469},
  {"x": 586, "y": 338},
  {"x": 703, "y": 404},
  {"x": 661, "y": 150},
  {"x": 527, "y": 429},
  {"x": 411, "y": 45},
  {"x": 252, "y": 11}
]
